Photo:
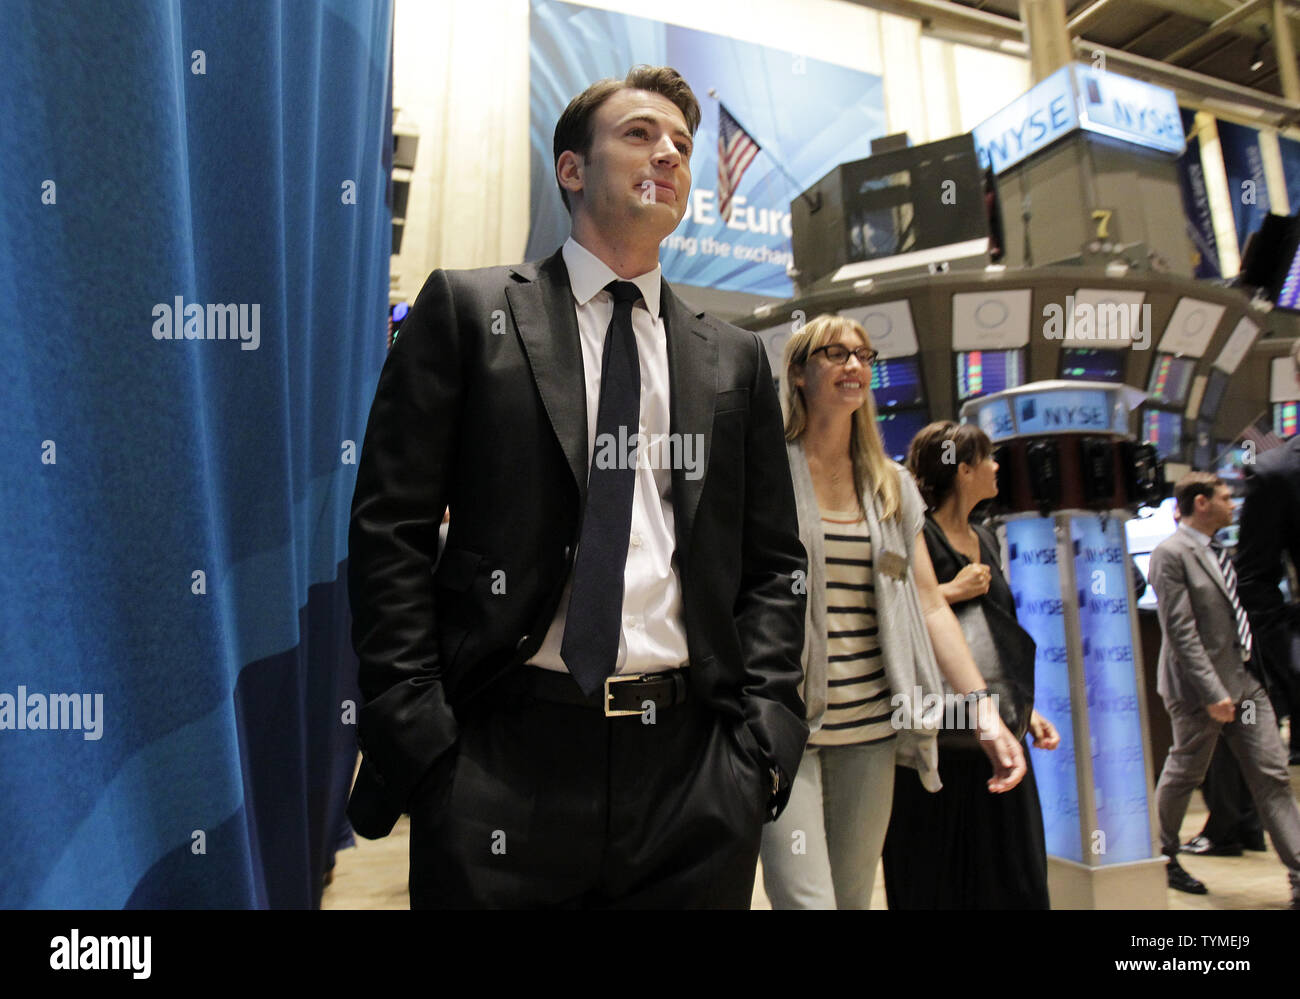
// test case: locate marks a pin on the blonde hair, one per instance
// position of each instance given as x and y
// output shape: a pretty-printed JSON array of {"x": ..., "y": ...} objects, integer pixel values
[{"x": 871, "y": 466}]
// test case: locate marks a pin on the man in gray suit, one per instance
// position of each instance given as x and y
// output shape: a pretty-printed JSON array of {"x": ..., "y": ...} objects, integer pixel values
[{"x": 1209, "y": 683}]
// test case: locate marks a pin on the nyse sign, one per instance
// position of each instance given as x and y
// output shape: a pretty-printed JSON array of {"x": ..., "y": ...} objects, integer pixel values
[
  {"x": 1138, "y": 112},
  {"x": 995, "y": 419},
  {"x": 1052, "y": 412},
  {"x": 1114, "y": 715},
  {"x": 1033, "y": 121},
  {"x": 1074, "y": 97},
  {"x": 1033, "y": 572}
]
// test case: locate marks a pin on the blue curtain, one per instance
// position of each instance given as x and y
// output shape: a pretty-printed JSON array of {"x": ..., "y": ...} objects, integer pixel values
[{"x": 173, "y": 511}]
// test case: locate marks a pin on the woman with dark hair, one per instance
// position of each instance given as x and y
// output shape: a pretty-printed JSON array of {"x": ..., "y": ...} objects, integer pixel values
[
  {"x": 963, "y": 848},
  {"x": 878, "y": 635}
]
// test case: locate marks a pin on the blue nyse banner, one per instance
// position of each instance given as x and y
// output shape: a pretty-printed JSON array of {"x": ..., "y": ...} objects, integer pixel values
[
  {"x": 1080, "y": 96},
  {"x": 810, "y": 115},
  {"x": 1291, "y": 170},
  {"x": 1123, "y": 830},
  {"x": 1196, "y": 204},
  {"x": 1246, "y": 184},
  {"x": 1034, "y": 577}
]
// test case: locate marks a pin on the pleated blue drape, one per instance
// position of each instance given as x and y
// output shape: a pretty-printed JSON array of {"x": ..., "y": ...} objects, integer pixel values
[{"x": 130, "y": 465}]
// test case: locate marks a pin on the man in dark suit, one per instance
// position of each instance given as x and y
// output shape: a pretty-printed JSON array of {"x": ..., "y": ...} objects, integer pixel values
[
  {"x": 1209, "y": 682},
  {"x": 593, "y": 700},
  {"x": 1269, "y": 530}
]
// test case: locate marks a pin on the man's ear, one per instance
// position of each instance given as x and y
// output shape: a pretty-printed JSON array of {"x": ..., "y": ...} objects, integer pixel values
[{"x": 568, "y": 171}]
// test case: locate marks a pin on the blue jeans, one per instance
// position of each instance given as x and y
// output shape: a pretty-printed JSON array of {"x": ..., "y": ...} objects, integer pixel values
[{"x": 823, "y": 851}]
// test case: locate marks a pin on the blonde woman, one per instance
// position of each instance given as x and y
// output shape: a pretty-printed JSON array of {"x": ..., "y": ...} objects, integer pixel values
[{"x": 878, "y": 635}]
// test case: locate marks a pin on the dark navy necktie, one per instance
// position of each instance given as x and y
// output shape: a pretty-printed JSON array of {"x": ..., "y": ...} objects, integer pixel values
[{"x": 594, "y": 620}]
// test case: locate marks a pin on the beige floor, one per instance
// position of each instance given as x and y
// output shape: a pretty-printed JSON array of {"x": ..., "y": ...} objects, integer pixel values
[{"x": 373, "y": 875}]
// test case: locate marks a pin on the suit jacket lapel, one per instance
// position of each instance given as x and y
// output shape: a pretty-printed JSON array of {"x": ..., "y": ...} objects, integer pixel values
[
  {"x": 692, "y": 379},
  {"x": 542, "y": 304},
  {"x": 1208, "y": 562}
]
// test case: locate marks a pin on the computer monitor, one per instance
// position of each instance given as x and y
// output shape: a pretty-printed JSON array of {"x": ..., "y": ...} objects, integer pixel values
[
  {"x": 1231, "y": 467},
  {"x": 1171, "y": 377},
  {"x": 1142, "y": 533},
  {"x": 897, "y": 382},
  {"x": 898, "y": 427},
  {"x": 1269, "y": 255},
  {"x": 1091, "y": 364},
  {"x": 1215, "y": 386},
  {"x": 1203, "y": 445},
  {"x": 1164, "y": 429},
  {"x": 1285, "y": 416},
  {"x": 982, "y": 372},
  {"x": 1288, "y": 295}
]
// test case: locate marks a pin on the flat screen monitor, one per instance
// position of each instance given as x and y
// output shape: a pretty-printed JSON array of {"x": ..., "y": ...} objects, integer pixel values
[
  {"x": 1165, "y": 430},
  {"x": 1203, "y": 446},
  {"x": 1148, "y": 599},
  {"x": 1284, "y": 418},
  {"x": 982, "y": 372},
  {"x": 1090, "y": 364},
  {"x": 897, "y": 382},
  {"x": 1231, "y": 467},
  {"x": 880, "y": 224},
  {"x": 1150, "y": 527},
  {"x": 1288, "y": 295},
  {"x": 1170, "y": 379},
  {"x": 897, "y": 428},
  {"x": 1215, "y": 385},
  {"x": 1269, "y": 255}
]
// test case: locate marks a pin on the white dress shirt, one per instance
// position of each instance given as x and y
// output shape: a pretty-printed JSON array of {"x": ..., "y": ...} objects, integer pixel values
[{"x": 654, "y": 632}]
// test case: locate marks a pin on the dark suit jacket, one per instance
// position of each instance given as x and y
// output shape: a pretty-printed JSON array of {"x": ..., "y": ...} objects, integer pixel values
[
  {"x": 1270, "y": 526},
  {"x": 481, "y": 406}
]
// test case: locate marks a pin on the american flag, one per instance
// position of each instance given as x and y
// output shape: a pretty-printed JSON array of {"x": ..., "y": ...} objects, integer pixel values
[
  {"x": 1261, "y": 434},
  {"x": 736, "y": 150}
]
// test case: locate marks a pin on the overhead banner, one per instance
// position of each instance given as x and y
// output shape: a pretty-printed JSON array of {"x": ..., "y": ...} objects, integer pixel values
[
  {"x": 1290, "y": 150},
  {"x": 807, "y": 114},
  {"x": 1246, "y": 184},
  {"x": 1196, "y": 204}
]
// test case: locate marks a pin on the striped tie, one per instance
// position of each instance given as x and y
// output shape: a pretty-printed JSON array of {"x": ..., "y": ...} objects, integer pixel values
[{"x": 1230, "y": 579}]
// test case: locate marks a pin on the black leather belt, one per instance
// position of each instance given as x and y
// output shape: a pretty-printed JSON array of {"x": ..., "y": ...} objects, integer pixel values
[{"x": 622, "y": 695}]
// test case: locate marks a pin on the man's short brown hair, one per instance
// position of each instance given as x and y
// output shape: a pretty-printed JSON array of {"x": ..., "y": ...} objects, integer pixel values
[
  {"x": 1190, "y": 486},
  {"x": 576, "y": 128}
]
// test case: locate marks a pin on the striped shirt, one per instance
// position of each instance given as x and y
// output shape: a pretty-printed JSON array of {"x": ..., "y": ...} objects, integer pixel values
[{"x": 858, "y": 709}]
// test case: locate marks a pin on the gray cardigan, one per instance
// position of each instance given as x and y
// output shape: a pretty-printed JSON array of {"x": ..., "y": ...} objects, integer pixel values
[{"x": 904, "y": 641}]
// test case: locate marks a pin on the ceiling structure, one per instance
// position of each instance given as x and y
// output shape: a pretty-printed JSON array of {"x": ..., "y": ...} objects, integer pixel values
[{"x": 1220, "y": 52}]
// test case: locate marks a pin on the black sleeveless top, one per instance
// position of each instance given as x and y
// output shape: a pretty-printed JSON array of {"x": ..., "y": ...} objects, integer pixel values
[{"x": 948, "y": 561}]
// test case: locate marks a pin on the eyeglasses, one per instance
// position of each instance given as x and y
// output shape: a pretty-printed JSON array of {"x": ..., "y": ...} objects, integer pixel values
[{"x": 837, "y": 353}]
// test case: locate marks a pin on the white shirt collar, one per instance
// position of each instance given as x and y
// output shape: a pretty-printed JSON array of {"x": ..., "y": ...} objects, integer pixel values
[
  {"x": 1200, "y": 536},
  {"x": 588, "y": 275}
]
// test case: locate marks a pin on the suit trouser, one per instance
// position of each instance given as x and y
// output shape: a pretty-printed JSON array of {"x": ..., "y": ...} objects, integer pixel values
[
  {"x": 1232, "y": 819},
  {"x": 554, "y": 805},
  {"x": 1258, "y": 749},
  {"x": 822, "y": 852}
]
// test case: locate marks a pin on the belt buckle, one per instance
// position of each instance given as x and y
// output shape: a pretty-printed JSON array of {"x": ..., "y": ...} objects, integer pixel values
[{"x": 609, "y": 695}]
